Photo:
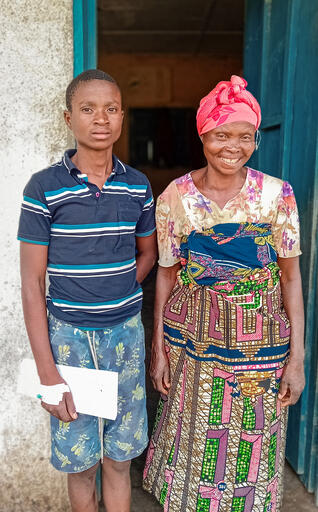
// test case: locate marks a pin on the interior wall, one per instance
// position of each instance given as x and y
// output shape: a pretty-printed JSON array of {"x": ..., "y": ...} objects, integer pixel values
[{"x": 164, "y": 80}]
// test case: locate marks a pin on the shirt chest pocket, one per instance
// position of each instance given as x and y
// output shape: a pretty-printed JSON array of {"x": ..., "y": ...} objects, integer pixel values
[{"x": 129, "y": 209}]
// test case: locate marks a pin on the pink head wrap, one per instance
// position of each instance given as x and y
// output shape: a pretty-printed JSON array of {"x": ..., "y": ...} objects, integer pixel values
[{"x": 226, "y": 103}]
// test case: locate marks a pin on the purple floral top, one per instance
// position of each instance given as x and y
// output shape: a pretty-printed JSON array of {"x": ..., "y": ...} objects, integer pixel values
[{"x": 181, "y": 208}]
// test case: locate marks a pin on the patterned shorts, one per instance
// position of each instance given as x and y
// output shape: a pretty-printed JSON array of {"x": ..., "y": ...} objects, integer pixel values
[{"x": 76, "y": 445}]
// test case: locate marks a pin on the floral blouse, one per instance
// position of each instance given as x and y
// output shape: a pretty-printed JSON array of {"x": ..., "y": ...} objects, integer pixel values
[{"x": 181, "y": 208}]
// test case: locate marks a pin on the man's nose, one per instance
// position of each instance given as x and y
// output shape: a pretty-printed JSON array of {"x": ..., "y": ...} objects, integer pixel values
[{"x": 101, "y": 117}]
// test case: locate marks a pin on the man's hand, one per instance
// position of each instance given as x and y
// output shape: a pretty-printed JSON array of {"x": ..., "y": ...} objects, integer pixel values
[
  {"x": 159, "y": 368},
  {"x": 292, "y": 383},
  {"x": 65, "y": 410}
]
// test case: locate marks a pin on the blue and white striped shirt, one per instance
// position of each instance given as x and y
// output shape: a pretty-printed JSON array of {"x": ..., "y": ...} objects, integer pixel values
[{"x": 91, "y": 241}]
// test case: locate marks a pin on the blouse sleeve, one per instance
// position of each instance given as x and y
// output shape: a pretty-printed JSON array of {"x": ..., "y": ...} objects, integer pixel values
[
  {"x": 286, "y": 225},
  {"x": 169, "y": 230}
]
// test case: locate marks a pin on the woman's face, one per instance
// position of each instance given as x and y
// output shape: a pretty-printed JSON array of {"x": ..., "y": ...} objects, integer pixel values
[{"x": 228, "y": 147}]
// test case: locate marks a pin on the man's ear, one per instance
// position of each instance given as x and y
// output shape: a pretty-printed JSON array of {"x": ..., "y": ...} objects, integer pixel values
[{"x": 68, "y": 119}]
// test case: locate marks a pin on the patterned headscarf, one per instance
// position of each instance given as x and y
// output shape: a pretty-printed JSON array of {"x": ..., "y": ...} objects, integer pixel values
[{"x": 226, "y": 103}]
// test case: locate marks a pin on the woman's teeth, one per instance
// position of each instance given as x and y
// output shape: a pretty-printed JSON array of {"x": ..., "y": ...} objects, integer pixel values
[{"x": 230, "y": 160}]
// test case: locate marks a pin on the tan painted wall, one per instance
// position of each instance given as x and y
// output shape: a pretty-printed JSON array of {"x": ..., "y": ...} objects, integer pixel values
[
  {"x": 164, "y": 81},
  {"x": 36, "y": 56}
]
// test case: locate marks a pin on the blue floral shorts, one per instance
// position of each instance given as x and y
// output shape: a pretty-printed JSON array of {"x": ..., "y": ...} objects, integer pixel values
[{"x": 76, "y": 445}]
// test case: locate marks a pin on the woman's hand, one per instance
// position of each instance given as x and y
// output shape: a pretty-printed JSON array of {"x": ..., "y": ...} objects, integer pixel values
[
  {"x": 292, "y": 383},
  {"x": 293, "y": 379},
  {"x": 159, "y": 367}
]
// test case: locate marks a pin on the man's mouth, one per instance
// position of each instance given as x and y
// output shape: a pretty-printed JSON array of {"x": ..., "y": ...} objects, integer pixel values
[{"x": 101, "y": 135}]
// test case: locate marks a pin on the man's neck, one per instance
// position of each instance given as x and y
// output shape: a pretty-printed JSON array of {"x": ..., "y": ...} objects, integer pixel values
[{"x": 98, "y": 165}]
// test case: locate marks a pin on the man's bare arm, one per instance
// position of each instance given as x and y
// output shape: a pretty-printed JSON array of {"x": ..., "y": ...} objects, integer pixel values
[
  {"x": 33, "y": 261},
  {"x": 147, "y": 255}
]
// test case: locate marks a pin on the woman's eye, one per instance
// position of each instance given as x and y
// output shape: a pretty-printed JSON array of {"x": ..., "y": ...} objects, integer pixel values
[
  {"x": 221, "y": 136},
  {"x": 112, "y": 109}
]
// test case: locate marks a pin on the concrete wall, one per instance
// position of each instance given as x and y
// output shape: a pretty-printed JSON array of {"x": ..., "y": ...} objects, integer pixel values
[
  {"x": 36, "y": 64},
  {"x": 164, "y": 80}
]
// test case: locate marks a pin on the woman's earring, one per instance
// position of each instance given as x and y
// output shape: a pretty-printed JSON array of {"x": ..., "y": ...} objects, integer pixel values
[{"x": 258, "y": 139}]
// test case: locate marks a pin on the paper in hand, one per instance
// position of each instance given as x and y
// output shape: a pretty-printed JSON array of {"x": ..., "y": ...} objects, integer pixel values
[{"x": 95, "y": 392}]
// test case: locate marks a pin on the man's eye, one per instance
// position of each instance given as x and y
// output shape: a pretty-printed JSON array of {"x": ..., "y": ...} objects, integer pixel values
[{"x": 86, "y": 109}]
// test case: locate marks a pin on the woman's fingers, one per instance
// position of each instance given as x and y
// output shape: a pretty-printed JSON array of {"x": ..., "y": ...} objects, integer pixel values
[
  {"x": 166, "y": 378},
  {"x": 292, "y": 384},
  {"x": 160, "y": 381},
  {"x": 289, "y": 393},
  {"x": 294, "y": 392},
  {"x": 159, "y": 371},
  {"x": 283, "y": 390}
]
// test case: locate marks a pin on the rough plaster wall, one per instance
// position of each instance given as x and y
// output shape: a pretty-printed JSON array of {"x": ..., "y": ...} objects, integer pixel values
[{"x": 36, "y": 56}]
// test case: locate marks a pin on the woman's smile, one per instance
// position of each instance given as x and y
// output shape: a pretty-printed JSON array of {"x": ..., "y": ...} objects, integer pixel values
[{"x": 230, "y": 161}]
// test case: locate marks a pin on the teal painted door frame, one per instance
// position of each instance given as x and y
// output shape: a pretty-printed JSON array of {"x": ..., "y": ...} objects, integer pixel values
[
  {"x": 84, "y": 35},
  {"x": 281, "y": 67},
  {"x": 85, "y": 57}
]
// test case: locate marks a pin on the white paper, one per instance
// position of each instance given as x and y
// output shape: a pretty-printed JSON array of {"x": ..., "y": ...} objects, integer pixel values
[
  {"x": 95, "y": 392},
  {"x": 28, "y": 379}
]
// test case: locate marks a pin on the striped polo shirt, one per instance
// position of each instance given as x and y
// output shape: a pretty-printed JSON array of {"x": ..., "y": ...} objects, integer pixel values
[{"x": 91, "y": 239}]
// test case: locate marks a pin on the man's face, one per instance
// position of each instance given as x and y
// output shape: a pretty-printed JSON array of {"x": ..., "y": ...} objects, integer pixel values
[{"x": 96, "y": 117}]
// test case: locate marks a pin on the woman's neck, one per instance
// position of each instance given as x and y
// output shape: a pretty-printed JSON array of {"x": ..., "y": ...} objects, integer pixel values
[
  {"x": 219, "y": 188},
  {"x": 214, "y": 180}
]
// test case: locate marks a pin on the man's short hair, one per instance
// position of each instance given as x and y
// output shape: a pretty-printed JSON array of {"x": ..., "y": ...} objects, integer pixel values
[{"x": 85, "y": 76}]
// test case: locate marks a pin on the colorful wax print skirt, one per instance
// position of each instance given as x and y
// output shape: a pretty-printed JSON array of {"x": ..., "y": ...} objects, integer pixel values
[{"x": 219, "y": 437}]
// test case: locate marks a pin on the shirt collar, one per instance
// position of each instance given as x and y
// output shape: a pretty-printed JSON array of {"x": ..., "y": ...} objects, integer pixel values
[
  {"x": 70, "y": 166},
  {"x": 118, "y": 166}
]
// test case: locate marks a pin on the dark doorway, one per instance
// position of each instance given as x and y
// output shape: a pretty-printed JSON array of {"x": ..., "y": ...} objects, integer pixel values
[
  {"x": 164, "y": 138},
  {"x": 166, "y": 56}
]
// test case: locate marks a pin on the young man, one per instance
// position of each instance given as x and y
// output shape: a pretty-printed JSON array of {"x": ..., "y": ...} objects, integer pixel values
[{"x": 89, "y": 222}]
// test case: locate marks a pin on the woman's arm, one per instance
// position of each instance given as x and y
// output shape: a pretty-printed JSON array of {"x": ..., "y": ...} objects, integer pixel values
[
  {"x": 293, "y": 380},
  {"x": 159, "y": 365}
]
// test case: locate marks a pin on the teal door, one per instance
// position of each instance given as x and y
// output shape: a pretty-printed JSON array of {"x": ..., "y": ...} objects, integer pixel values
[
  {"x": 281, "y": 67},
  {"x": 84, "y": 35},
  {"x": 85, "y": 57}
]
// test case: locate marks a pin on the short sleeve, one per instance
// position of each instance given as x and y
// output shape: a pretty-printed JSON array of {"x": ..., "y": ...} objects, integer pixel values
[
  {"x": 146, "y": 224},
  {"x": 35, "y": 217},
  {"x": 286, "y": 225},
  {"x": 170, "y": 226}
]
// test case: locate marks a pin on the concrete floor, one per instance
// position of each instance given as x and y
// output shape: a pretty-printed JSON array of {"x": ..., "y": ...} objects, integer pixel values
[{"x": 296, "y": 497}]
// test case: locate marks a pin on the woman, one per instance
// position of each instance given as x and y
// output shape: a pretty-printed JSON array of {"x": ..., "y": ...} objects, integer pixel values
[{"x": 228, "y": 341}]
